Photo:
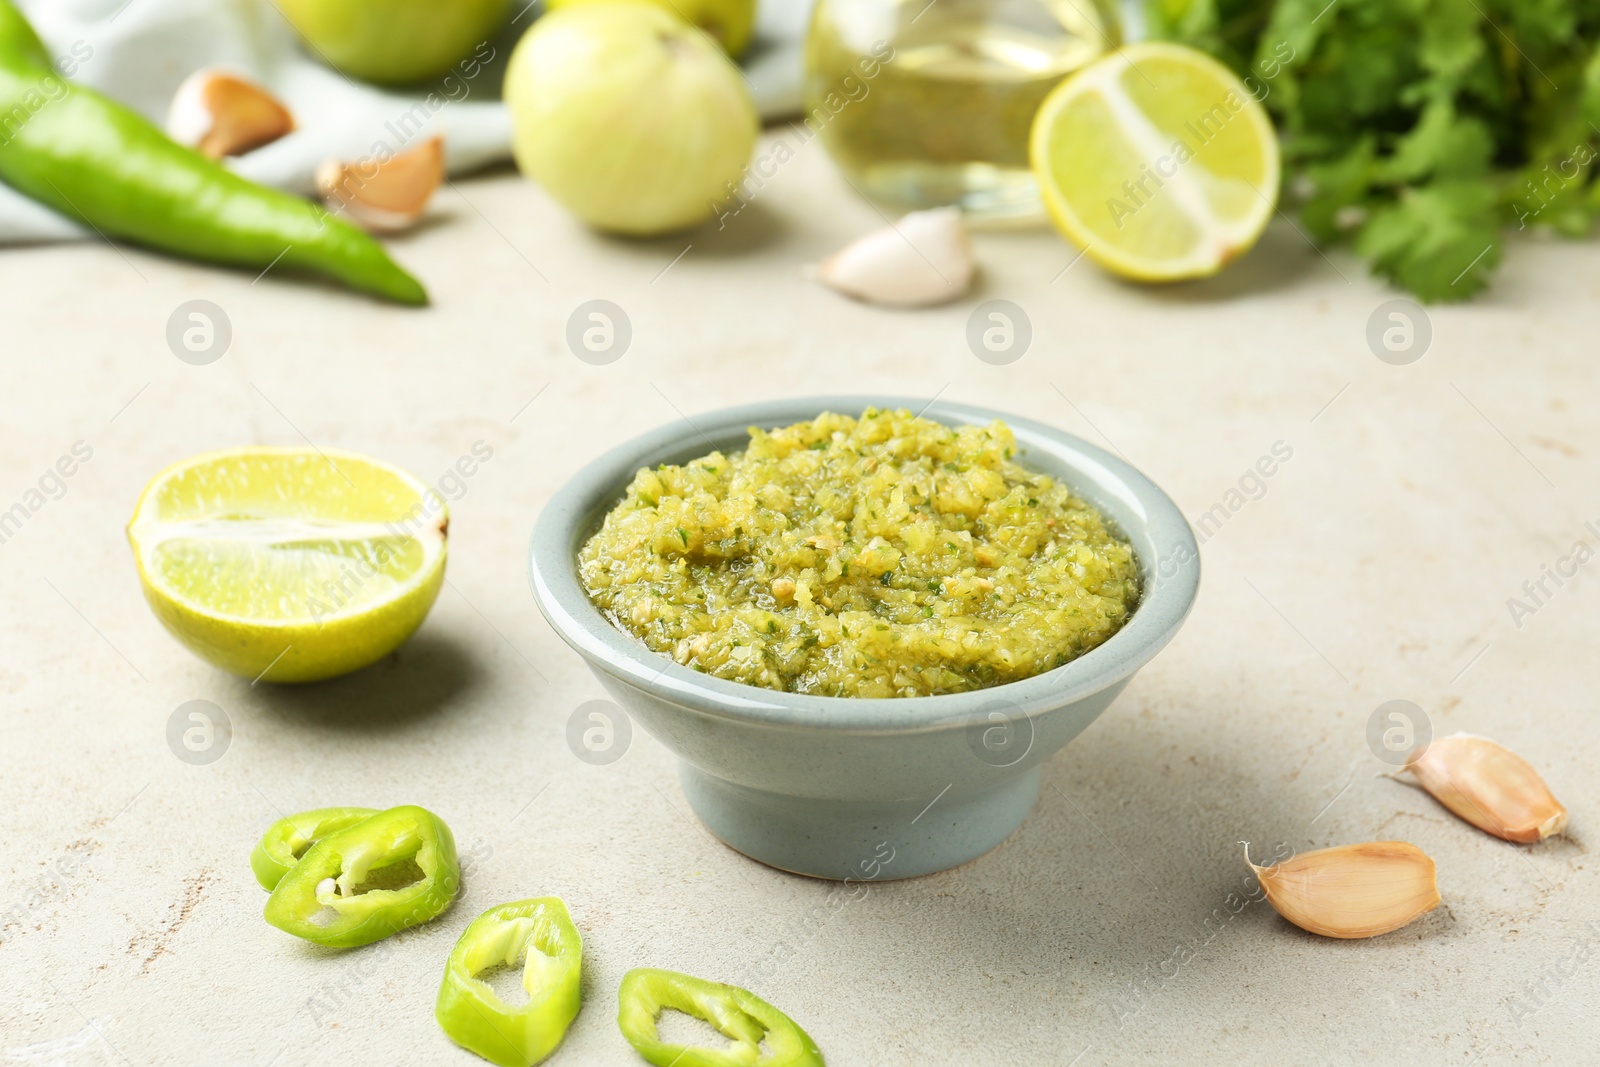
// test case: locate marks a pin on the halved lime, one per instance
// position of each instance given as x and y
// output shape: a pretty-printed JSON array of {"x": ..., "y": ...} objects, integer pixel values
[
  {"x": 289, "y": 564},
  {"x": 1157, "y": 162}
]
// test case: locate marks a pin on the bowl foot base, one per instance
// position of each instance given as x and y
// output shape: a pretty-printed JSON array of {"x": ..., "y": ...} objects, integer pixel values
[{"x": 860, "y": 840}]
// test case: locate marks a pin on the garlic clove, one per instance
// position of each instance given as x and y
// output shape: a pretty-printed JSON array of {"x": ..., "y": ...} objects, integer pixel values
[
  {"x": 924, "y": 259},
  {"x": 1489, "y": 786},
  {"x": 1353, "y": 890},
  {"x": 385, "y": 195},
  {"x": 222, "y": 114}
]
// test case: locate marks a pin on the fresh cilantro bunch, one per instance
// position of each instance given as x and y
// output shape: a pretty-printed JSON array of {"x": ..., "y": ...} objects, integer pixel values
[{"x": 1420, "y": 130}]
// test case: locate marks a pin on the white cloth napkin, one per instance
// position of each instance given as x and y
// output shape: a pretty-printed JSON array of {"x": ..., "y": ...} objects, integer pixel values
[{"x": 140, "y": 51}]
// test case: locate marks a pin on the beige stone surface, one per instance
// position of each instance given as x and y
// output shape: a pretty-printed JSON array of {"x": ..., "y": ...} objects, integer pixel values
[{"x": 1375, "y": 564}]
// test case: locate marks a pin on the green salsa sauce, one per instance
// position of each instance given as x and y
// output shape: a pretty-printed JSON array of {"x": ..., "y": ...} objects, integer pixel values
[{"x": 884, "y": 556}]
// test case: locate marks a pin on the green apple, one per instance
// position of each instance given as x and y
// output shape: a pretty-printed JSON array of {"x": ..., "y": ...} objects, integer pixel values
[
  {"x": 630, "y": 118},
  {"x": 729, "y": 21},
  {"x": 395, "y": 42}
]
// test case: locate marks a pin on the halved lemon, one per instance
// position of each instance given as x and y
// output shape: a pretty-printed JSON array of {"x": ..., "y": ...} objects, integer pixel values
[
  {"x": 1157, "y": 162},
  {"x": 289, "y": 564}
]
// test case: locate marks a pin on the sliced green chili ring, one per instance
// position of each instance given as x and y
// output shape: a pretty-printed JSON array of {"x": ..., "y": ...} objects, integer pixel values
[
  {"x": 286, "y": 840},
  {"x": 469, "y": 1010},
  {"x": 741, "y": 1016},
  {"x": 390, "y": 871}
]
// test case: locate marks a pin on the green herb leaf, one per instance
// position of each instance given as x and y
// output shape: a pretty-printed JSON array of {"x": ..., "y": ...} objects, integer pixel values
[
  {"x": 1440, "y": 242},
  {"x": 1419, "y": 129}
]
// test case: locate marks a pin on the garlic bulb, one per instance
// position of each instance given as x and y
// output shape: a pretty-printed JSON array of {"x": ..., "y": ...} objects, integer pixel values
[
  {"x": 1489, "y": 786},
  {"x": 1352, "y": 890},
  {"x": 923, "y": 259}
]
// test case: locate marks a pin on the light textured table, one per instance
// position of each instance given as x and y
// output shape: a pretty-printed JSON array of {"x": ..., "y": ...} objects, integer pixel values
[{"x": 1376, "y": 565}]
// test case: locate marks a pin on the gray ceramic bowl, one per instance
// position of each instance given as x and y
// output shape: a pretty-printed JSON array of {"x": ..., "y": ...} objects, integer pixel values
[{"x": 863, "y": 789}]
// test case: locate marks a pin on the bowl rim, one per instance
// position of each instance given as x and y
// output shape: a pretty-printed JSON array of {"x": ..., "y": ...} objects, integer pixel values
[{"x": 1166, "y": 547}]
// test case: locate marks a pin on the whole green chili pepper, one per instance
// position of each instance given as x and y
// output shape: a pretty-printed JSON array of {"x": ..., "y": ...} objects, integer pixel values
[
  {"x": 286, "y": 840},
  {"x": 478, "y": 1020},
  {"x": 103, "y": 164},
  {"x": 744, "y": 1018},
  {"x": 387, "y": 872}
]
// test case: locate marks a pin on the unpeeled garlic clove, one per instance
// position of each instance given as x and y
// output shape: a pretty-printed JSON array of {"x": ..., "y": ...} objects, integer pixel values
[
  {"x": 924, "y": 259},
  {"x": 1352, "y": 890},
  {"x": 1489, "y": 786},
  {"x": 385, "y": 195},
  {"x": 222, "y": 114}
]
